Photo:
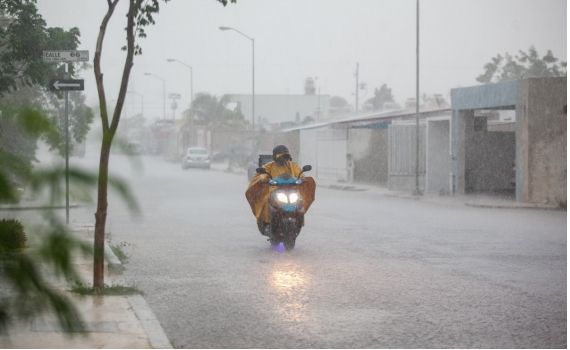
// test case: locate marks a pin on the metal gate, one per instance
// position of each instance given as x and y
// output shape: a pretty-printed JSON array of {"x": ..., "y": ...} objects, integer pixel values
[
  {"x": 402, "y": 145},
  {"x": 331, "y": 154}
]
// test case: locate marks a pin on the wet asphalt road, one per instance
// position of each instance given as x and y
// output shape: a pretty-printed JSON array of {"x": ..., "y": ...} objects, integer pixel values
[{"x": 367, "y": 272}]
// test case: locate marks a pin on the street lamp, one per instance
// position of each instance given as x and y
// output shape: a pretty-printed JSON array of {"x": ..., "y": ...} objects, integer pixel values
[
  {"x": 163, "y": 94},
  {"x": 252, "y": 77},
  {"x": 191, "y": 79},
  {"x": 142, "y": 103},
  {"x": 191, "y": 98}
]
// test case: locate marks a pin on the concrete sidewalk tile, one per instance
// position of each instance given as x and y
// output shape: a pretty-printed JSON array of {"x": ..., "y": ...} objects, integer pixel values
[{"x": 111, "y": 321}]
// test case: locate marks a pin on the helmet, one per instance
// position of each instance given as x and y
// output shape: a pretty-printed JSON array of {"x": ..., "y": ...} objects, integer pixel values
[{"x": 279, "y": 149}]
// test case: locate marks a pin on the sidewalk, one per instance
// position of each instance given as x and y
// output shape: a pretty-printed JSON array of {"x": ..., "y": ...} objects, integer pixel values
[
  {"x": 475, "y": 200},
  {"x": 112, "y": 321}
]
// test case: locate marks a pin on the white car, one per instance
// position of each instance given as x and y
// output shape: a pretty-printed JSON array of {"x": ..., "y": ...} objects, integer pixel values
[{"x": 196, "y": 157}]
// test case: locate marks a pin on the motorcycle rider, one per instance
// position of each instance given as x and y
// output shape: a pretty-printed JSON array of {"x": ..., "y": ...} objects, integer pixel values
[{"x": 258, "y": 193}]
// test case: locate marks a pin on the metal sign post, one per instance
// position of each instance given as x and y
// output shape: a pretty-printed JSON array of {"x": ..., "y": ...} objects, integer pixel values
[
  {"x": 66, "y": 151},
  {"x": 66, "y": 85},
  {"x": 174, "y": 105}
]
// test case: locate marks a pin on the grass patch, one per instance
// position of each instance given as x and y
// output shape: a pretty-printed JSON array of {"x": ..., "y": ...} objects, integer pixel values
[{"x": 115, "y": 289}]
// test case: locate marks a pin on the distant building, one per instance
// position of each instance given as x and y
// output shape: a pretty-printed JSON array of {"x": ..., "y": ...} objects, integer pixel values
[{"x": 275, "y": 109}]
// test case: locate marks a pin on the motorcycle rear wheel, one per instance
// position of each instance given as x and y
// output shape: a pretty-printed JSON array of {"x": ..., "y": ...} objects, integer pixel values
[{"x": 274, "y": 242}]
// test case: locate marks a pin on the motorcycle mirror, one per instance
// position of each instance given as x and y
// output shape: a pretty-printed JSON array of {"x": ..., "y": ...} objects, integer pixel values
[
  {"x": 307, "y": 168},
  {"x": 261, "y": 171}
]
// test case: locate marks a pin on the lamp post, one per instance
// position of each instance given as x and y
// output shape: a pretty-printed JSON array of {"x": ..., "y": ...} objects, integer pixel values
[
  {"x": 142, "y": 103},
  {"x": 163, "y": 94},
  {"x": 191, "y": 98},
  {"x": 252, "y": 77},
  {"x": 191, "y": 78},
  {"x": 417, "y": 191}
]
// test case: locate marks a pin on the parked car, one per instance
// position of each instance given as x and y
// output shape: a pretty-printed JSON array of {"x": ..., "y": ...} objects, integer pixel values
[
  {"x": 134, "y": 147},
  {"x": 258, "y": 160},
  {"x": 240, "y": 154},
  {"x": 196, "y": 157}
]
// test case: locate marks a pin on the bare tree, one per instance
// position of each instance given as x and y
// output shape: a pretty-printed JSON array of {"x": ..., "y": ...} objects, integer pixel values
[{"x": 139, "y": 15}]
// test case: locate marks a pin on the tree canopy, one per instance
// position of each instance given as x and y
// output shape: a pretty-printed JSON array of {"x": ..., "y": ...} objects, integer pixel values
[
  {"x": 24, "y": 77},
  {"x": 524, "y": 65},
  {"x": 381, "y": 95},
  {"x": 208, "y": 110},
  {"x": 23, "y": 38},
  {"x": 338, "y": 102}
]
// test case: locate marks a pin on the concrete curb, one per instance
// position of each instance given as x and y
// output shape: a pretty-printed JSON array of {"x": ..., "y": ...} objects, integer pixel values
[
  {"x": 490, "y": 206},
  {"x": 489, "y": 203},
  {"x": 43, "y": 207},
  {"x": 151, "y": 326}
]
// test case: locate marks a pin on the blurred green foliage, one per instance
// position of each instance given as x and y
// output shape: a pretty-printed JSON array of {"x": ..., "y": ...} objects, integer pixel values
[
  {"x": 12, "y": 235},
  {"x": 23, "y": 37},
  {"x": 27, "y": 275},
  {"x": 25, "y": 102}
]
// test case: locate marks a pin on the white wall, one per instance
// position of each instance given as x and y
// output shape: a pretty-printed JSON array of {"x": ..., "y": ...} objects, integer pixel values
[
  {"x": 438, "y": 165},
  {"x": 308, "y": 148}
]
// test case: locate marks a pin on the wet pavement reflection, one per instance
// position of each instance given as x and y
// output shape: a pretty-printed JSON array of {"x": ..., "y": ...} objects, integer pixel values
[{"x": 289, "y": 282}]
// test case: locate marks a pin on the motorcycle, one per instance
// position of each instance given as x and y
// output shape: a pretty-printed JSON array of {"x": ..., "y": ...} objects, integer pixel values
[{"x": 287, "y": 207}]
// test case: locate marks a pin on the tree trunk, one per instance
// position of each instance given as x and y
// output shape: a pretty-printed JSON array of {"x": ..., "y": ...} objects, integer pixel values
[
  {"x": 109, "y": 131},
  {"x": 101, "y": 217}
]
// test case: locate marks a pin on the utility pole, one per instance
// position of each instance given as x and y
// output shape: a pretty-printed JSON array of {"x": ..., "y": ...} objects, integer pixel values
[{"x": 356, "y": 94}]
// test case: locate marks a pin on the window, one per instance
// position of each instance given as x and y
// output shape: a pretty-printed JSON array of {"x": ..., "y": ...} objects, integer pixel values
[{"x": 197, "y": 151}]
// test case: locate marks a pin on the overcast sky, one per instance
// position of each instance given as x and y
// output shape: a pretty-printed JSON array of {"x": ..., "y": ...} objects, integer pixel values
[{"x": 296, "y": 39}]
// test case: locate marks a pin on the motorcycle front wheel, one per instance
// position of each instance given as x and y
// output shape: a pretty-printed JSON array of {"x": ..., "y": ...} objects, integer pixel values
[
  {"x": 274, "y": 242},
  {"x": 289, "y": 243}
]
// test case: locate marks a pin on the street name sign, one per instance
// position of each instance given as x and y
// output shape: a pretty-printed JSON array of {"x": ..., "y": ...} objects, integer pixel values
[
  {"x": 66, "y": 56},
  {"x": 174, "y": 96},
  {"x": 66, "y": 84}
]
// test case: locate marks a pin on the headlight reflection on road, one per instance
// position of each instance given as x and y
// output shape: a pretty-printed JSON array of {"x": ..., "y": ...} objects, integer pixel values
[{"x": 290, "y": 281}]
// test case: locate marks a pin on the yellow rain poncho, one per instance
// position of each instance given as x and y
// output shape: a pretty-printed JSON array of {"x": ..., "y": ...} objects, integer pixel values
[{"x": 257, "y": 193}]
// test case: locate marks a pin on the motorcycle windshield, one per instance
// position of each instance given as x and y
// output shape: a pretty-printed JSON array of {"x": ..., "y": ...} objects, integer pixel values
[{"x": 285, "y": 179}]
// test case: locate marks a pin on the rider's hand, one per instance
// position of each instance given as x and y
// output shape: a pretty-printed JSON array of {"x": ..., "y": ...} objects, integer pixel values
[{"x": 264, "y": 180}]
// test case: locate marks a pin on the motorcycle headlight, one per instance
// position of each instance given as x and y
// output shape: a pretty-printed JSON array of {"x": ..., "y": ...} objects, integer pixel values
[
  {"x": 293, "y": 197},
  {"x": 282, "y": 197}
]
